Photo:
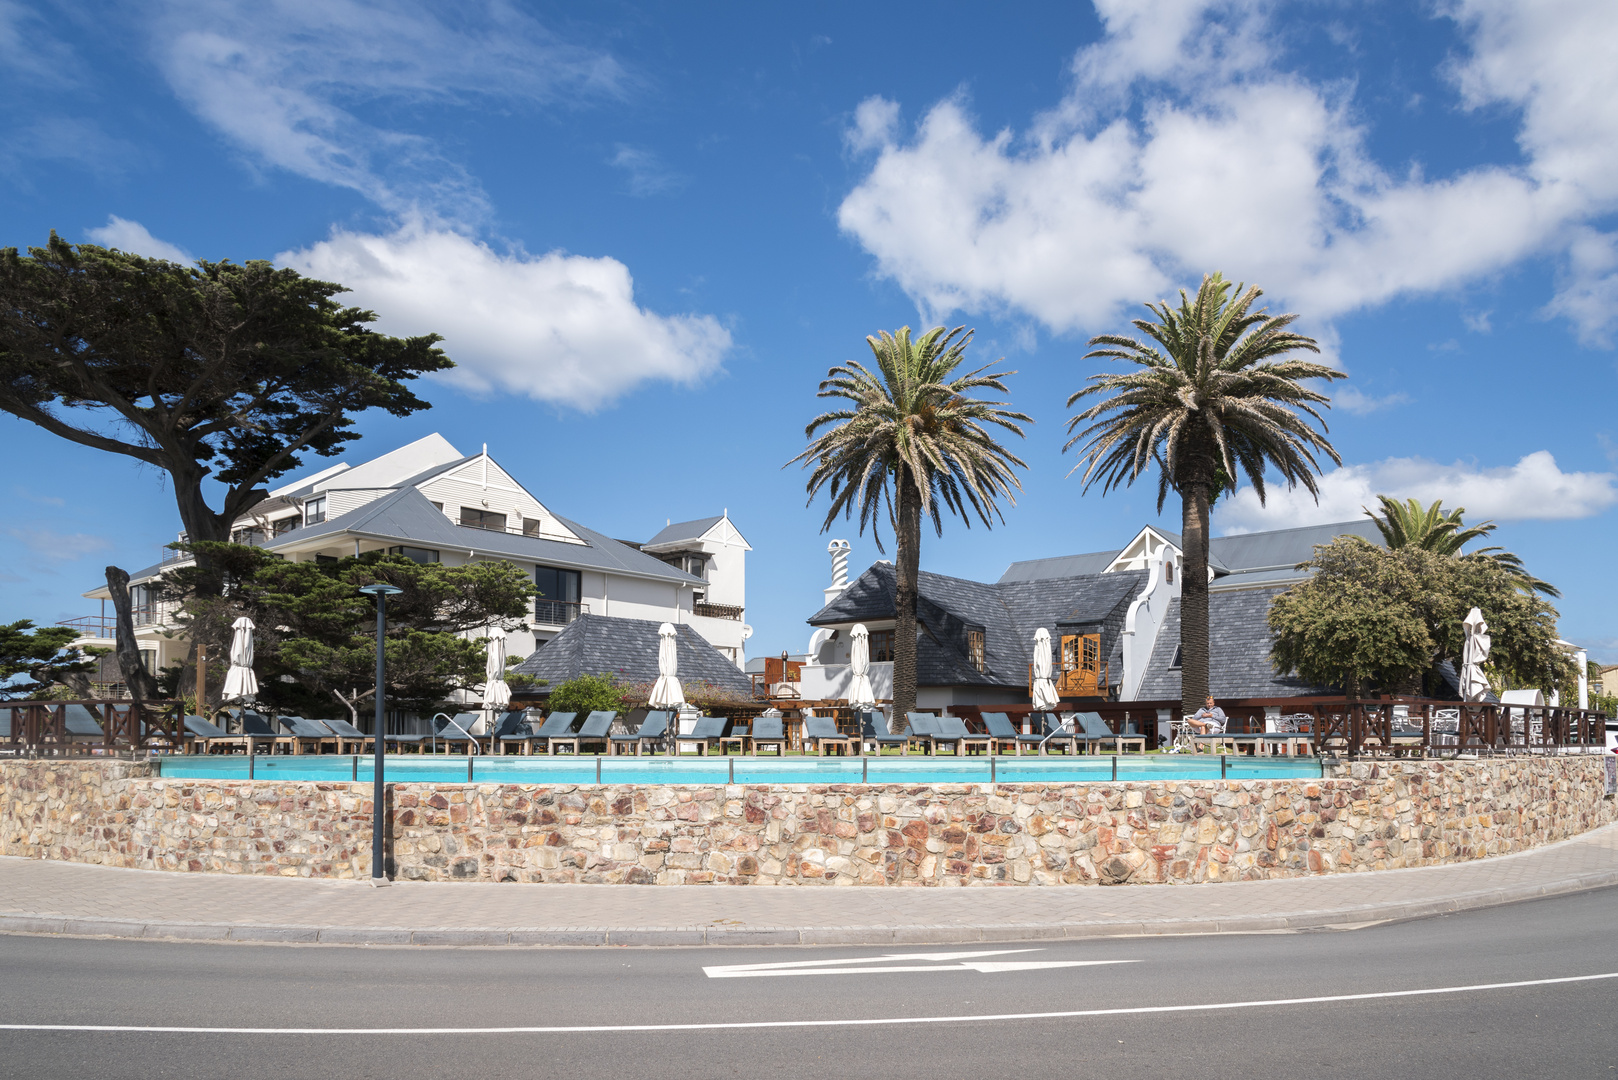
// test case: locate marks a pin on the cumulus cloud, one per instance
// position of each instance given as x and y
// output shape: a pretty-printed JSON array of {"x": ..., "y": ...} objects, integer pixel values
[
  {"x": 556, "y": 327},
  {"x": 135, "y": 238},
  {"x": 289, "y": 84},
  {"x": 1183, "y": 146},
  {"x": 1534, "y": 488}
]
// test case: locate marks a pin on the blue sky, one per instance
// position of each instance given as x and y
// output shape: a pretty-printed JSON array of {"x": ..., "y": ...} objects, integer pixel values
[{"x": 646, "y": 231}]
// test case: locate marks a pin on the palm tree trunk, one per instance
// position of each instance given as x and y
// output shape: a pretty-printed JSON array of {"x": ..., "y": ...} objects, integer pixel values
[
  {"x": 1194, "y": 596},
  {"x": 907, "y": 540}
]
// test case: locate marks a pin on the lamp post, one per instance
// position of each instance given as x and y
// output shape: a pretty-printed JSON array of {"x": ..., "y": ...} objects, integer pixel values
[{"x": 379, "y": 744}]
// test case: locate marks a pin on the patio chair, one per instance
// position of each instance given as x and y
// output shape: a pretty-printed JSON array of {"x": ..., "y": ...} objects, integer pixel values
[
  {"x": 514, "y": 722},
  {"x": 922, "y": 726},
  {"x": 822, "y": 732},
  {"x": 454, "y": 731},
  {"x": 1002, "y": 733},
  {"x": 595, "y": 729},
  {"x": 308, "y": 733},
  {"x": 955, "y": 727},
  {"x": 874, "y": 729},
  {"x": 707, "y": 731},
  {"x": 1057, "y": 732},
  {"x": 769, "y": 731},
  {"x": 557, "y": 723},
  {"x": 737, "y": 736},
  {"x": 653, "y": 729}
]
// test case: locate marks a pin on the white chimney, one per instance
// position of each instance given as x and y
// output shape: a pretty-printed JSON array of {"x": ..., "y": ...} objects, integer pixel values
[{"x": 838, "y": 550}]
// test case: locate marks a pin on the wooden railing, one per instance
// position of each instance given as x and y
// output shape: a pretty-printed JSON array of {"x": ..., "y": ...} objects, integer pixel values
[{"x": 72, "y": 728}]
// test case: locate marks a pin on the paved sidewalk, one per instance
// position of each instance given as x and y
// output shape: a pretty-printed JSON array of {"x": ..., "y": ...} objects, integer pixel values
[{"x": 67, "y": 898}]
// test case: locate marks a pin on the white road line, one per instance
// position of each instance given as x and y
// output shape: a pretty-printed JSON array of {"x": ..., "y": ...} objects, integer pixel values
[
  {"x": 985, "y": 966},
  {"x": 797, "y": 965},
  {"x": 746, "y": 1024}
]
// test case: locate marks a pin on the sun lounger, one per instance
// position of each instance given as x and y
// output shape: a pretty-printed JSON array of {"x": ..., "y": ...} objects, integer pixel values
[
  {"x": 1002, "y": 733},
  {"x": 257, "y": 728},
  {"x": 1096, "y": 735},
  {"x": 350, "y": 738},
  {"x": 557, "y": 723},
  {"x": 822, "y": 732},
  {"x": 874, "y": 729},
  {"x": 951, "y": 732},
  {"x": 210, "y": 736},
  {"x": 921, "y": 727},
  {"x": 595, "y": 730},
  {"x": 453, "y": 731},
  {"x": 1057, "y": 732},
  {"x": 653, "y": 729},
  {"x": 81, "y": 725},
  {"x": 307, "y": 734},
  {"x": 955, "y": 728},
  {"x": 512, "y": 728},
  {"x": 769, "y": 731},
  {"x": 707, "y": 731}
]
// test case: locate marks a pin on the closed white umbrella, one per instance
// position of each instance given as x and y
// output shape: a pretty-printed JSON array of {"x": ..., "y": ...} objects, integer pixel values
[
  {"x": 667, "y": 692},
  {"x": 860, "y": 693},
  {"x": 1474, "y": 651},
  {"x": 496, "y": 693},
  {"x": 1043, "y": 690},
  {"x": 240, "y": 682}
]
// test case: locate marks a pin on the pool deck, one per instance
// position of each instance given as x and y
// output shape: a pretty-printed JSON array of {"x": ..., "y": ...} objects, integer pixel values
[{"x": 39, "y": 897}]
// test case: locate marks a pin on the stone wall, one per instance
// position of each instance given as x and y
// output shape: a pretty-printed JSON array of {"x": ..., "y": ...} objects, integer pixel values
[{"x": 1372, "y": 816}]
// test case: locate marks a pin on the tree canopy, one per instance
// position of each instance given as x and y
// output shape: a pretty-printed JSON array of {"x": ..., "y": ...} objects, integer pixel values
[
  {"x": 1212, "y": 397},
  {"x": 315, "y": 633},
  {"x": 43, "y": 658},
  {"x": 1376, "y": 619},
  {"x": 1432, "y": 528},
  {"x": 219, "y": 371}
]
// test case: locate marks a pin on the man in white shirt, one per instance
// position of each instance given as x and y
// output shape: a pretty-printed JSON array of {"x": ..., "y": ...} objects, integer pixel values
[{"x": 1208, "y": 720}]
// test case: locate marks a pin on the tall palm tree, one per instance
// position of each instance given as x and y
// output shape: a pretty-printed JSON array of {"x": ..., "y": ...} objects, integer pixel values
[
  {"x": 1432, "y": 528},
  {"x": 1207, "y": 394},
  {"x": 913, "y": 442}
]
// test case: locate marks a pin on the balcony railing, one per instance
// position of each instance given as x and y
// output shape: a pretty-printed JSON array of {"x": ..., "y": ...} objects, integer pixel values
[
  {"x": 718, "y": 611},
  {"x": 98, "y": 626},
  {"x": 555, "y": 612}
]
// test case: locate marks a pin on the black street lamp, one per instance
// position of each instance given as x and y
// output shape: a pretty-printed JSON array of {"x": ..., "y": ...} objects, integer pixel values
[{"x": 379, "y": 744}]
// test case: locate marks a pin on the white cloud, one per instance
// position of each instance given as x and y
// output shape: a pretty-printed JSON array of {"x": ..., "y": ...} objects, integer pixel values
[
  {"x": 1533, "y": 489},
  {"x": 1353, "y": 400},
  {"x": 133, "y": 237},
  {"x": 288, "y": 82},
  {"x": 647, "y": 173},
  {"x": 876, "y": 124},
  {"x": 556, "y": 327},
  {"x": 1149, "y": 172},
  {"x": 55, "y": 545}
]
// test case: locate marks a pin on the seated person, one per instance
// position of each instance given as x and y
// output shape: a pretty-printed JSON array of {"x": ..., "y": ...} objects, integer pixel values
[{"x": 1208, "y": 720}]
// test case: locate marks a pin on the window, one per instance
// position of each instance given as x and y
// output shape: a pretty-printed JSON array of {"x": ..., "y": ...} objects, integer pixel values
[
  {"x": 1175, "y": 663},
  {"x": 881, "y": 646},
  {"x": 322, "y": 560},
  {"x": 250, "y": 536},
  {"x": 1168, "y": 571},
  {"x": 415, "y": 554},
  {"x": 284, "y": 525},
  {"x": 530, "y": 526},
  {"x": 148, "y": 660},
  {"x": 555, "y": 584},
  {"x": 314, "y": 511},
  {"x": 437, "y": 505},
  {"x": 974, "y": 649},
  {"x": 473, "y": 518}
]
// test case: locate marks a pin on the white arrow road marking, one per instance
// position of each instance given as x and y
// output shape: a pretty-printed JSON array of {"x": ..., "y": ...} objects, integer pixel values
[{"x": 831, "y": 967}]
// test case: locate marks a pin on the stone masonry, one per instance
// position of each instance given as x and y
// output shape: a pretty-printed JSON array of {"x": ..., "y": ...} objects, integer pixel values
[{"x": 1372, "y": 816}]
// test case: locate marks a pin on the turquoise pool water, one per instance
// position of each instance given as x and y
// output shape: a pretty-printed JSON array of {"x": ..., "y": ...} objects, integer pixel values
[{"x": 408, "y": 768}]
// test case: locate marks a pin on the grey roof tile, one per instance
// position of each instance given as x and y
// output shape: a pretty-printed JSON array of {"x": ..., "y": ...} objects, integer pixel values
[
  {"x": 627, "y": 648},
  {"x": 684, "y": 530}
]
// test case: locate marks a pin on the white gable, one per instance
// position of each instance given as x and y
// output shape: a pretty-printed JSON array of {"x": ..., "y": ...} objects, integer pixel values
[
  {"x": 397, "y": 466},
  {"x": 482, "y": 485},
  {"x": 1148, "y": 543},
  {"x": 723, "y": 532}
]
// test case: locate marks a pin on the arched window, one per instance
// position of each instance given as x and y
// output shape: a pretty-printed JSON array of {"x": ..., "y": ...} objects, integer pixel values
[{"x": 1168, "y": 571}]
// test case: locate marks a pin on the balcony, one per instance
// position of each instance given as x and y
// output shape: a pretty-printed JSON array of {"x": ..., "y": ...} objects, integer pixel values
[
  {"x": 95, "y": 626},
  {"x": 555, "y": 612},
  {"x": 718, "y": 611}
]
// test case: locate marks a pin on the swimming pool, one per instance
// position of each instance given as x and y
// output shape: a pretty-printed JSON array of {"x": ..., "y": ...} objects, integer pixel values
[{"x": 412, "y": 768}]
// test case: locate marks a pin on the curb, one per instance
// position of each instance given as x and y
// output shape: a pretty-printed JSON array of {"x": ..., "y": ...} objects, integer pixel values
[{"x": 711, "y": 936}]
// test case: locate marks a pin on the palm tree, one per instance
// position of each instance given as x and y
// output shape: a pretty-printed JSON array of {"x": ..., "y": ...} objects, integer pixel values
[
  {"x": 1432, "y": 528},
  {"x": 1207, "y": 396},
  {"x": 912, "y": 441}
]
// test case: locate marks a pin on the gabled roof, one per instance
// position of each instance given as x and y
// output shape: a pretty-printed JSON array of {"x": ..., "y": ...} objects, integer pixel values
[
  {"x": 681, "y": 532},
  {"x": 627, "y": 648},
  {"x": 1265, "y": 558},
  {"x": 407, "y": 516},
  {"x": 1238, "y": 649}
]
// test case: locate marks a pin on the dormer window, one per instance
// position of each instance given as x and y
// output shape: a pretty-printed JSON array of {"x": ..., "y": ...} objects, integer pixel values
[
  {"x": 314, "y": 511},
  {"x": 975, "y": 651},
  {"x": 474, "y": 518}
]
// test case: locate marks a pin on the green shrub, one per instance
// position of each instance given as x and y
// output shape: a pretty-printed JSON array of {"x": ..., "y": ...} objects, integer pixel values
[{"x": 588, "y": 693}]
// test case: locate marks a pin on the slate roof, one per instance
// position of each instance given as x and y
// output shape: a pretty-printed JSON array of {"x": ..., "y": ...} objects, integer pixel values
[
  {"x": 1238, "y": 647},
  {"x": 1060, "y": 566},
  {"x": 1007, "y": 613},
  {"x": 406, "y": 515},
  {"x": 684, "y": 530},
  {"x": 601, "y": 644}
]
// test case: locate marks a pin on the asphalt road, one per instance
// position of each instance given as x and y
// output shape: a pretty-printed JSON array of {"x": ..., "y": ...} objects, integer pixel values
[{"x": 1559, "y": 1030}]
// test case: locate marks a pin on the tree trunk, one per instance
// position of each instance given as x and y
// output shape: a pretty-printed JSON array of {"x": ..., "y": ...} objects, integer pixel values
[
  {"x": 1194, "y": 657},
  {"x": 140, "y": 682},
  {"x": 907, "y": 542}
]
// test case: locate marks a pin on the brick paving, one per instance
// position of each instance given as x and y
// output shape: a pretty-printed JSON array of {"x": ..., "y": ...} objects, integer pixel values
[{"x": 69, "y": 898}]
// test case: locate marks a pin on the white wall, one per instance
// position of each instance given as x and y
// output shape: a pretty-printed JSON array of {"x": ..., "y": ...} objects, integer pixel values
[{"x": 1145, "y": 619}]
